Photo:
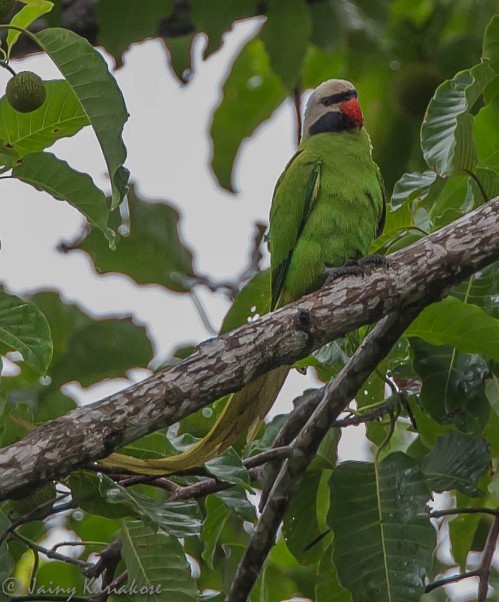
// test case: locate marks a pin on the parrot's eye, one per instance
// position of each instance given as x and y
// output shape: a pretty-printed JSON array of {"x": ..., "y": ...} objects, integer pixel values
[{"x": 327, "y": 102}]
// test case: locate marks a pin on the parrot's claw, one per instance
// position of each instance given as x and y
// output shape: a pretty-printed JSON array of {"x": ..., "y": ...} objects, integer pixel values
[
  {"x": 351, "y": 268},
  {"x": 374, "y": 260},
  {"x": 355, "y": 267}
]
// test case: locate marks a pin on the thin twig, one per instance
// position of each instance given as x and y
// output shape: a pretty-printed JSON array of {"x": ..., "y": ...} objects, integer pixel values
[
  {"x": 48, "y": 552},
  {"x": 202, "y": 313},
  {"x": 483, "y": 571},
  {"x": 337, "y": 395},
  {"x": 452, "y": 579},
  {"x": 486, "y": 563},
  {"x": 451, "y": 511}
]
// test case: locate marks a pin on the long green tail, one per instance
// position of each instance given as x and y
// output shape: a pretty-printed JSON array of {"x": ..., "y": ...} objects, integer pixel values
[{"x": 242, "y": 412}]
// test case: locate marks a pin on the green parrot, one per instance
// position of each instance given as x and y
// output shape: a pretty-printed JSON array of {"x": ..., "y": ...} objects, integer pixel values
[{"x": 327, "y": 209}]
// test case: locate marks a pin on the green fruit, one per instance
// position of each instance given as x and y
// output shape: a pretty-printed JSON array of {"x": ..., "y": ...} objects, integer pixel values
[
  {"x": 5, "y": 7},
  {"x": 42, "y": 495},
  {"x": 25, "y": 92}
]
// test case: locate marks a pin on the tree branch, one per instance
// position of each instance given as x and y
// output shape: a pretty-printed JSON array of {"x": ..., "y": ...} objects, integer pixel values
[
  {"x": 417, "y": 274},
  {"x": 337, "y": 395}
]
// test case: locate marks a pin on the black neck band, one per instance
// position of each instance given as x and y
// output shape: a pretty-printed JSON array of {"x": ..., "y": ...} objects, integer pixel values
[{"x": 332, "y": 121}]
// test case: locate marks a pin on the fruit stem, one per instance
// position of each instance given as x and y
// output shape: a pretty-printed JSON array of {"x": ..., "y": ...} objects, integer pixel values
[
  {"x": 6, "y": 65},
  {"x": 22, "y": 30}
]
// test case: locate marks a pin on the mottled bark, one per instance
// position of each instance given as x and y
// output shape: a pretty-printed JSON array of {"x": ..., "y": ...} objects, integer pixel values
[{"x": 418, "y": 274}]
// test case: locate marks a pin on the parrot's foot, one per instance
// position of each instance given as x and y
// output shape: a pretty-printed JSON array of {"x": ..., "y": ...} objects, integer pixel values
[
  {"x": 355, "y": 267},
  {"x": 350, "y": 268},
  {"x": 375, "y": 260}
]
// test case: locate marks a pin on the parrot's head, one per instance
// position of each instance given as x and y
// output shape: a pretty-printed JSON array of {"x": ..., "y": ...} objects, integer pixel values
[{"x": 332, "y": 107}]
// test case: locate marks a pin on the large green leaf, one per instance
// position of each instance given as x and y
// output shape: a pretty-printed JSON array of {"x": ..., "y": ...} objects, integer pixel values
[
  {"x": 446, "y": 137},
  {"x": 251, "y": 94},
  {"x": 484, "y": 134},
  {"x": 491, "y": 43},
  {"x": 228, "y": 468},
  {"x": 482, "y": 289},
  {"x": 45, "y": 172},
  {"x": 456, "y": 462},
  {"x": 152, "y": 252},
  {"x": 103, "y": 349},
  {"x": 60, "y": 116},
  {"x": 301, "y": 527},
  {"x": 6, "y": 561},
  {"x": 180, "y": 519},
  {"x": 383, "y": 539},
  {"x": 453, "y": 322},
  {"x": 328, "y": 587},
  {"x": 86, "y": 493},
  {"x": 122, "y": 22},
  {"x": 180, "y": 56},
  {"x": 217, "y": 514},
  {"x": 156, "y": 565},
  {"x": 452, "y": 385},
  {"x": 24, "y": 328},
  {"x": 24, "y": 18},
  {"x": 411, "y": 186},
  {"x": 99, "y": 94},
  {"x": 238, "y": 503},
  {"x": 287, "y": 20},
  {"x": 216, "y": 17},
  {"x": 102, "y": 496}
]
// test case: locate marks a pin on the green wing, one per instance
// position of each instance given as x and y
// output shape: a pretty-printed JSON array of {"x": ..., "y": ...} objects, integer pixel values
[{"x": 294, "y": 197}]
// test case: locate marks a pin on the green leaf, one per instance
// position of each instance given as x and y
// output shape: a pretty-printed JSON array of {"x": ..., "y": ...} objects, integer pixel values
[
  {"x": 10, "y": 429},
  {"x": 236, "y": 500},
  {"x": 300, "y": 526},
  {"x": 63, "y": 319},
  {"x": 87, "y": 494},
  {"x": 24, "y": 18},
  {"x": 491, "y": 43},
  {"x": 122, "y": 22},
  {"x": 412, "y": 186},
  {"x": 180, "y": 56},
  {"x": 462, "y": 529},
  {"x": 181, "y": 519},
  {"x": 253, "y": 300},
  {"x": 103, "y": 349},
  {"x": 287, "y": 20},
  {"x": 216, "y": 18},
  {"x": 329, "y": 588},
  {"x": 452, "y": 387},
  {"x": 453, "y": 322},
  {"x": 217, "y": 514},
  {"x": 45, "y": 172},
  {"x": 482, "y": 289},
  {"x": 151, "y": 252},
  {"x": 156, "y": 565},
  {"x": 446, "y": 137},
  {"x": 99, "y": 94},
  {"x": 228, "y": 468},
  {"x": 492, "y": 388},
  {"x": 6, "y": 561},
  {"x": 456, "y": 462},
  {"x": 60, "y": 116},
  {"x": 484, "y": 135},
  {"x": 24, "y": 328},
  {"x": 251, "y": 93},
  {"x": 383, "y": 539}
]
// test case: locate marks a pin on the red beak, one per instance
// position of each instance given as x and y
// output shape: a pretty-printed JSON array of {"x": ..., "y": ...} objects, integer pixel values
[{"x": 351, "y": 109}]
